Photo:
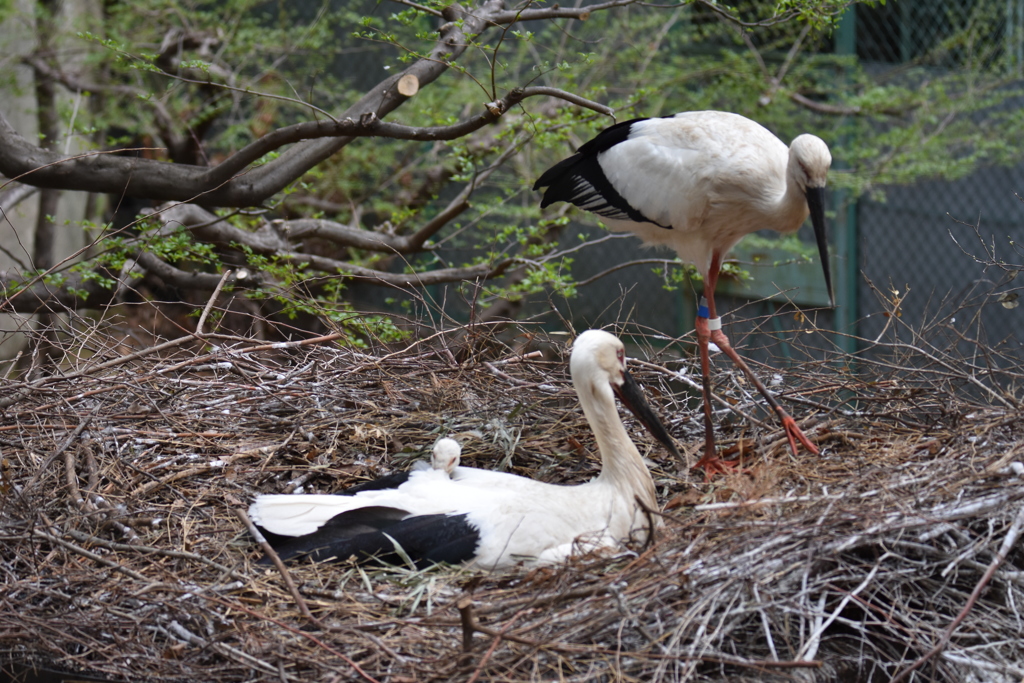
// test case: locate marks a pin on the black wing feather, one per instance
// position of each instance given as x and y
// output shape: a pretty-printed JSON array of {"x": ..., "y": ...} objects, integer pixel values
[
  {"x": 388, "y": 481},
  {"x": 338, "y": 528},
  {"x": 581, "y": 181},
  {"x": 370, "y": 534}
]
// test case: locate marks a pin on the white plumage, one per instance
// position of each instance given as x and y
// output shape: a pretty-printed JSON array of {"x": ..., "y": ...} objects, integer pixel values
[
  {"x": 494, "y": 519},
  {"x": 698, "y": 182}
]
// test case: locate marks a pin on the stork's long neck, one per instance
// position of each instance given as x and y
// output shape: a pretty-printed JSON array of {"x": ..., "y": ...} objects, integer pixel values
[
  {"x": 621, "y": 464},
  {"x": 791, "y": 211}
]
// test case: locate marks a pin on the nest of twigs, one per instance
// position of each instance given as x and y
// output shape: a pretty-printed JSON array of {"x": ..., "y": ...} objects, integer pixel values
[{"x": 892, "y": 554}]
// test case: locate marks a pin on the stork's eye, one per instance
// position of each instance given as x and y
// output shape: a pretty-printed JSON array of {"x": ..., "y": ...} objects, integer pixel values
[{"x": 621, "y": 355}]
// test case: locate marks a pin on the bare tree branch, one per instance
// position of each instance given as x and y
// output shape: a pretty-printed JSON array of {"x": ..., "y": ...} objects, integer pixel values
[
  {"x": 270, "y": 240},
  {"x": 227, "y": 185},
  {"x": 245, "y": 179},
  {"x": 421, "y": 8},
  {"x": 823, "y": 107},
  {"x": 358, "y": 238},
  {"x": 163, "y": 181},
  {"x": 556, "y": 12},
  {"x": 194, "y": 281},
  {"x": 14, "y": 194}
]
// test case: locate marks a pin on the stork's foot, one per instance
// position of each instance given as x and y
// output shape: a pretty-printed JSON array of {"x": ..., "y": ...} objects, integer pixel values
[
  {"x": 712, "y": 465},
  {"x": 794, "y": 434}
]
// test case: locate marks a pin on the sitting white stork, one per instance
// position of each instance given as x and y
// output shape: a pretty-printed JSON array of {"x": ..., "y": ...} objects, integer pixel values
[
  {"x": 698, "y": 182},
  {"x": 492, "y": 519}
]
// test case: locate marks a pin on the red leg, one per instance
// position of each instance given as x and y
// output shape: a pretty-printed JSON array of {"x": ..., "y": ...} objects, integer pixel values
[
  {"x": 793, "y": 432},
  {"x": 710, "y": 462}
]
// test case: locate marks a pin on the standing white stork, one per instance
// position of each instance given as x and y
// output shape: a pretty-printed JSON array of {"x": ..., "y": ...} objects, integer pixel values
[
  {"x": 493, "y": 519},
  {"x": 698, "y": 182}
]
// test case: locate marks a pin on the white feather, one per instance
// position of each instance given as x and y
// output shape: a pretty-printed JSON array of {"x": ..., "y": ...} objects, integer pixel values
[{"x": 713, "y": 177}]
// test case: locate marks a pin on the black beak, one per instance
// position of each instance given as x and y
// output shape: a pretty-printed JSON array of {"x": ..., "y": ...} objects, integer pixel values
[
  {"x": 816, "y": 203},
  {"x": 631, "y": 396}
]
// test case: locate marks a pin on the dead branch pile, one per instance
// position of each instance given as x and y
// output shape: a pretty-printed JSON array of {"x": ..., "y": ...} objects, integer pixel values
[{"x": 894, "y": 553}]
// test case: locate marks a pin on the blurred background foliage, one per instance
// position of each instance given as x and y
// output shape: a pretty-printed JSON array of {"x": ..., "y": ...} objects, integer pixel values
[{"x": 193, "y": 82}]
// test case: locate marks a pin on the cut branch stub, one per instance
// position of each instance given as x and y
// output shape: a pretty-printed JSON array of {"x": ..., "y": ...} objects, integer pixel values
[{"x": 408, "y": 85}]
